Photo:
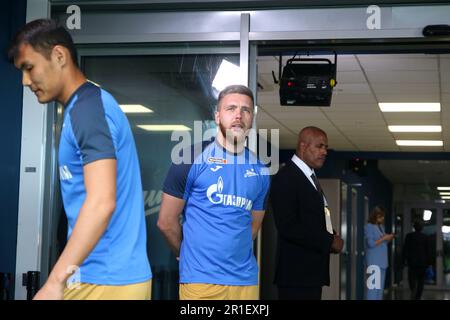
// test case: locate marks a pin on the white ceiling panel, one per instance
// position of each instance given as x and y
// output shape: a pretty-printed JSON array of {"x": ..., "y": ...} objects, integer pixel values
[
  {"x": 352, "y": 107},
  {"x": 266, "y": 64},
  {"x": 368, "y": 135},
  {"x": 268, "y": 85},
  {"x": 377, "y": 149},
  {"x": 416, "y": 88},
  {"x": 268, "y": 124},
  {"x": 303, "y": 116},
  {"x": 358, "y": 115},
  {"x": 403, "y": 76},
  {"x": 354, "y": 121},
  {"x": 268, "y": 98},
  {"x": 411, "y": 96},
  {"x": 342, "y": 98},
  {"x": 346, "y": 63},
  {"x": 445, "y": 77},
  {"x": 414, "y": 118},
  {"x": 353, "y": 88},
  {"x": 422, "y": 149},
  {"x": 400, "y": 56},
  {"x": 418, "y": 135},
  {"x": 344, "y": 77},
  {"x": 296, "y": 125},
  {"x": 445, "y": 98},
  {"x": 358, "y": 123},
  {"x": 444, "y": 64},
  {"x": 397, "y": 63},
  {"x": 445, "y": 87}
]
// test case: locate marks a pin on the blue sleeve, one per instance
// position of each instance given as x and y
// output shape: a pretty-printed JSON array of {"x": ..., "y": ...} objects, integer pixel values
[
  {"x": 176, "y": 180},
  {"x": 91, "y": 129},
  {"x": 181, "y": 176},
  {"x": 370, "y": 236},
  {"x": 261, "y": 201}
]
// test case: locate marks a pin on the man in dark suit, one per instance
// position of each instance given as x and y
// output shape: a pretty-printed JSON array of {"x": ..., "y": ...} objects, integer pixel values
[
  {"x": 417, "y": 256},
  {"x": 305, "y": 234}
]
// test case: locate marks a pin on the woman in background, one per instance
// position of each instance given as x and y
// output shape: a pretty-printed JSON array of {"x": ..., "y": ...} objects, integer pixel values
[{"x": 376, "y": 253}]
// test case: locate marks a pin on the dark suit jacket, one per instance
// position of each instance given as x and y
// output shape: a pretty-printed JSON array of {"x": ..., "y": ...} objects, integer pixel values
[
  {"x": 304, "y": 244},
  {"x": 417, "y": 250}
]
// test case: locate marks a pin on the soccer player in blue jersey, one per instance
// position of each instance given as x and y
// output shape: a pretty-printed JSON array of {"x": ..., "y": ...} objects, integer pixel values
[
  {"x": 221, "y": 196},
  {"x": 99, "y": 173}
]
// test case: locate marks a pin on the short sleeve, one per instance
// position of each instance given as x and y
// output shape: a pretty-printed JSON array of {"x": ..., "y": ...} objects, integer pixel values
[
  {"x": 176, "y": 180},
  {"x": 91, "y": 129}
]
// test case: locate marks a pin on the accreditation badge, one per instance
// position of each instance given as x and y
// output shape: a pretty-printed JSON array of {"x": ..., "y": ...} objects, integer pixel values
[{"x": 328, "y": 220}]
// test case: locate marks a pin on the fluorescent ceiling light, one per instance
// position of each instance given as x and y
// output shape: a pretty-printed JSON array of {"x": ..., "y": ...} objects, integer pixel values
[
  {"x": 227, "y": 74},
  {"x": 163, "y": 127},
  {"x": 410, "y": 107},
  {"x": 420, "y": 143},
  {"x": 427, "y": 215},
  {"x": 444, "y": 193},
  {"x": 443, "y": 188},
  {"x": 415, "y": 128},
  {"x": 445, "y": 229},
  {"x": 135, "y": 108},
  {"x": 445, "y": 197}
]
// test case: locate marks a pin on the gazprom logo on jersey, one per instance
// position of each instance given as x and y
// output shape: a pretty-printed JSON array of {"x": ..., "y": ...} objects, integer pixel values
[
  {"x": 215, "y": 195},
  {"x": 64, "y": 173}
]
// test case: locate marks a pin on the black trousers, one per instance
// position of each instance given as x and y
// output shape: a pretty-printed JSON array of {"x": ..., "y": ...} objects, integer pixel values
[
  {"x": 416, "y": 279},
  {"x": 299, "y": 293}
]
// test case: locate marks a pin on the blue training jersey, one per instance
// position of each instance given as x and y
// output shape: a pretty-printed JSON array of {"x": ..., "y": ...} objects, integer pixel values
[
  {"x": 95, "y": 128},
  {"x": 221, "y": 190}
]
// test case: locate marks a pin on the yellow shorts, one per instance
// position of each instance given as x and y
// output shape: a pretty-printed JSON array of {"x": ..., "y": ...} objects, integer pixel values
[
  {"x": 87, "y": 291},
  {"x": 205, "y": 291}
]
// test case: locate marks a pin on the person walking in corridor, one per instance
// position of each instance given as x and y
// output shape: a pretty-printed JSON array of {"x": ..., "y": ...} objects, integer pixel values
[
  {"x": 417, "y": 257},
  {"x": 98, "y": 169}
]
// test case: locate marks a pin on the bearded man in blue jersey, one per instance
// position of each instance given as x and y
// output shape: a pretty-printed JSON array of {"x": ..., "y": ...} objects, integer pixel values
[
  {"x": 221, "y": 196},
  {"x": 99, "y": 173}
]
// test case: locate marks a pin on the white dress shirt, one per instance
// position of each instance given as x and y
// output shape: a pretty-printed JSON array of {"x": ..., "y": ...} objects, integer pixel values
[
  {"x": 305, "y": 168},
  {"x": 308, "y": 172}
]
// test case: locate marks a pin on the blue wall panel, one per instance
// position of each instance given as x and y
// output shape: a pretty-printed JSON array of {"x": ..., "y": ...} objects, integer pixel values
[{"x": 12, "y": 16}]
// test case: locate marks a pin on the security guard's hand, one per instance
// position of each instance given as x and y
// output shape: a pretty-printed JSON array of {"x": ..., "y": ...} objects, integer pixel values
[{"x": 337, "y": 244}]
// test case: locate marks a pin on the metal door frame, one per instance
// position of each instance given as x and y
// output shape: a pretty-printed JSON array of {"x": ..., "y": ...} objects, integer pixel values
[{"x": 354, "y": 241}]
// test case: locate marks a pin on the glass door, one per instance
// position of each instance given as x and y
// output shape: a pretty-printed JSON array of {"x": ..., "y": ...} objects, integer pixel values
[
  {"x": 353, "y": 243},
  {"x": 161, "y": 94},
  {"x": 344, "y": 265},
  {"x": 445, "y": 252}
]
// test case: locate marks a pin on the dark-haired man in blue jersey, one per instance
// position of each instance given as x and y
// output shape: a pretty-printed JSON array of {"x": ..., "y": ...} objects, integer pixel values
[
  {"x": 99, "y": 173},
  {"x": 221, "y": 195}
]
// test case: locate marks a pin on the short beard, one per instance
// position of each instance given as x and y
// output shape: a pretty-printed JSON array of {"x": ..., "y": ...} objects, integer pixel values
[{"x": 235, "y": 140}]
